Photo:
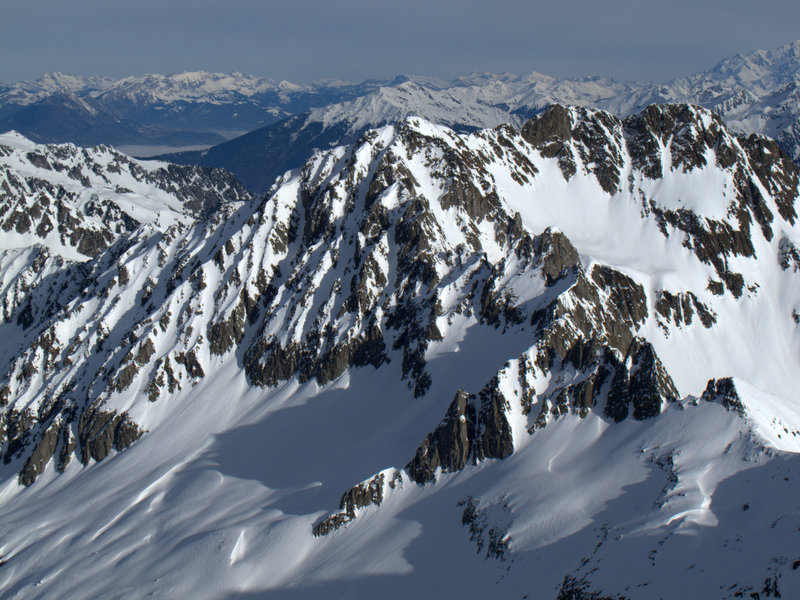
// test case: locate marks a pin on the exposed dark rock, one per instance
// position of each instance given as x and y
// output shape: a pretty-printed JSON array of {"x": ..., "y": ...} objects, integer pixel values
[
  {"x": 724, "y": 392},
  {"x": 364, "y": 494},
  {"x": 625, "y": 295},
  {"x": 641, "y": 381},
  {"x": 16, "y": 430},
  {"x": 751, "y": 198},
  {"x": 649, "y": 384},
  {"x": 465, "y": 195},
  {"x": 680, "y": 309},
  {"x": 580, "y": 396},
  {"x": 788, "y": 255},
  {"x": 40, "y": 456},
  {"x": 559, "y": 256},
  {"x": 486, "y": 530},
  {"x": 471, "y": 431},
  {"x": 600, "y": 145},
  {"x": 493, "y": 431},
  {"x": 712, "y": 241},
  {"x": 67, "y": 445},
  {"x": 190, "y": 363},
  {"x": 573, "y": 588},
  {"x": 89, "y": 242},
  {"x": 682, "y": 127},
  {"x": 101, "y": 431},
  {"x": 605, "y": 312},
  {"x": 268, "y": 363},
  {"x": 39, "y": 160},
  {"x": 776, "y": 171},
  {"x": 225, "y": 335},
  {"x": 644, "y": 132},
  {"x": 550, "y": 133},
  {"x": 449, "y": 446},
  {"x": 551, "y": 128}
]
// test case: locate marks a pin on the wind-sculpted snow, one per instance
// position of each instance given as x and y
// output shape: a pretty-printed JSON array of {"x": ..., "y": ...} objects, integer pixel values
[{"x": 553, "y": 346}]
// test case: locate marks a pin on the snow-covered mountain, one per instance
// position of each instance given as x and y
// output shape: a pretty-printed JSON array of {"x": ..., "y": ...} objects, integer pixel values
[
  {"x": 28, "y": 92},
  {"x": 559, "y": 361},
  {"x": 153, "y": 88},
  {"x": 62, "y": 205},
  {"x": 77, "y": 201}
]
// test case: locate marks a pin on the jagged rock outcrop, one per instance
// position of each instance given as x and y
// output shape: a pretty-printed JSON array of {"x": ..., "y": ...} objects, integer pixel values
[
  {"x": 680, "y": 310},
  {"x": 724, "y": 392},
  {"x": 788, "y": 256},
  {"x": 366, "y": 493},
  {"x": 474, "y": 429},
  {"x": 641, "y": 383}
]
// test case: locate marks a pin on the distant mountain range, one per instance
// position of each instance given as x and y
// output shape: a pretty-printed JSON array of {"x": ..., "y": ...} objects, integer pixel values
[
  {"x": 181, "y": 109},
  {"x": 286, "y": 122}
]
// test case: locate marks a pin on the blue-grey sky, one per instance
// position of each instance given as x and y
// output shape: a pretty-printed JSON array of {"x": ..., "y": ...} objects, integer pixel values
[{"x": 303, "y": 40}]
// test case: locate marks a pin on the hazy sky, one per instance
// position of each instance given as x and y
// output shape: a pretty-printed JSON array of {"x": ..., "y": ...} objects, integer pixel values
[{"x": 303, "y": 40}]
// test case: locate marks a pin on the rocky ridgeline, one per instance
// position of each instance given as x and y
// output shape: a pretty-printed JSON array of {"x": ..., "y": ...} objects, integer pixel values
[
  {"x": 371, "y": 253},
  {"x": 80, "y": 198},
  {"x": 691, "y": 138}
]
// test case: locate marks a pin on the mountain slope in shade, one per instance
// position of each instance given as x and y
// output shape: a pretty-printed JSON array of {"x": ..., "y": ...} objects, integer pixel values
[
  {"x": 65, "y": 117},
  {"x": 559, "y": 361}
]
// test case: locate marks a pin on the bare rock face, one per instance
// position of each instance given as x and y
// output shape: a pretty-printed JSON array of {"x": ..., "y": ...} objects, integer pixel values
[
  {"x": 449, "y": 446},
  {"x": 559, "y": 256},
  {"x": 723, "y": 391},
  {"x": 788, "y": 256},
  {"x": 776, "y": 171},
  {"x": 640, "y": 383},
  {"x": 100, "y": 432},
  {"x": 679, "y": 309},
  {"x": 40, "y": 456},
  {"x": 549, "y": 133},
  {"x": 473, "y": 430},
  {"x": 367, "y": 493}
]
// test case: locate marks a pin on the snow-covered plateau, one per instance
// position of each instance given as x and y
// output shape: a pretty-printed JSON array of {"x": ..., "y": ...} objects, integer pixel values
[{"x": 554, "y": 361}]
